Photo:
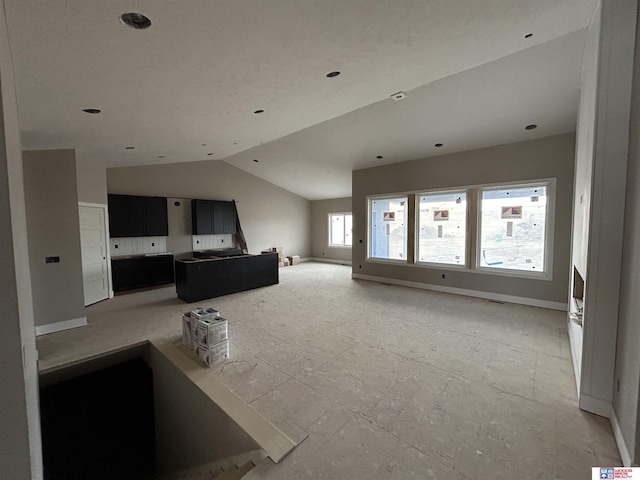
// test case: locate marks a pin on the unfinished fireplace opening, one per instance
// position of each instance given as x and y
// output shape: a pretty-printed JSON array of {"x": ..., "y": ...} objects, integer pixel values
[
  {"x": 132, "y": 414},
  {"x": 576, "y": 309}
]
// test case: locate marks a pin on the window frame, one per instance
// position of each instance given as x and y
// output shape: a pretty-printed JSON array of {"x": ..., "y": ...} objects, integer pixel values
[
  {"x": 332, "y": 214},
  {"x": 389, "y": 261},
  {"x": 467, "y": 236},
  {"x": 547, "y": 274}
]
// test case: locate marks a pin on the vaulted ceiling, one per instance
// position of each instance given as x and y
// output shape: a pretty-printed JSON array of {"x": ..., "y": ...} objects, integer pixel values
[{"x": 475, "y": 72}]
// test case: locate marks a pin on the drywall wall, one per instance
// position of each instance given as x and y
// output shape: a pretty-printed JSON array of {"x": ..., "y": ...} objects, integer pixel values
[
  {"x": 20, "y": 440},
  {"x": 583, "y": 178},
  {"x": 179, "y": 218},
  {"x": 602, "y": 157},
  {"x": 53, "y": 231},
  {"x": 550, "y": 157},
  {"x": 92, "y": 181},
  {"x": 320, "y": 210},
  {"x": 627, "y": 372},
  {"x": 190, "y": 429},
  {"x": 270, "y": 216}
]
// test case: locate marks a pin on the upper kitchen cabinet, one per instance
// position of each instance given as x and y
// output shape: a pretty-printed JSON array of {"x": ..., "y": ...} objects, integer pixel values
[
  {"x": 212, "y": 217},
  {"x": 136, "y": 216}
]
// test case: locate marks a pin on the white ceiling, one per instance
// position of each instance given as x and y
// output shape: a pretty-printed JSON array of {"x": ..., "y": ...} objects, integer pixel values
[{"x": 203, "y": 67}]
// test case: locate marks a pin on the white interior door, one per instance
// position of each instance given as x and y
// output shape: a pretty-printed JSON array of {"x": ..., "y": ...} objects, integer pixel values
[{"x": 93, "y": 240}]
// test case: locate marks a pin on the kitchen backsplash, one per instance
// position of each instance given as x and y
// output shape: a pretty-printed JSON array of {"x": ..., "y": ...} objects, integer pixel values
[
  {"x": 207, "y": 242},
  {"x": 137, "y": 245}
]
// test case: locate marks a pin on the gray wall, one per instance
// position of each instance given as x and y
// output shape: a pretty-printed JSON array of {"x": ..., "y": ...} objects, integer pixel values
[
  {"x": 536, "y": 159},
  {"x": 92, "y": 181},
  {"x": 320, "y": 210},
  {"x": 53, "y": 230},
  {"x": 179, "y": 218},
  {"x": 625, "y": 401},
  {"x": 190, "y": 429},
  {"x": 20, "y": 443},
  {"x": 270, "y": 216}
]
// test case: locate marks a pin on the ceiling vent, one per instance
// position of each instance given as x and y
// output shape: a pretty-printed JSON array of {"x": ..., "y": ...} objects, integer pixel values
[{"x": 399, "y": 96}]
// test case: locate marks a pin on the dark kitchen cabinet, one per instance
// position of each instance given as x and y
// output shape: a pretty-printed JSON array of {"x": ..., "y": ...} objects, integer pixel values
[
  {"x": 212, "y": 217},
  {"x": 137, "y": 216},
  {"x": 139, "y": 272},
  {"x": 156, "y": 219},
  {"x": 198, "y": 280},
  {"x": 201, "y": 217}
]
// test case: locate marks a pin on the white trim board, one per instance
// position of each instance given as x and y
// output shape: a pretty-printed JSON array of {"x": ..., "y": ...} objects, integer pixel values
[
  {"x": 329, "y": 260},
  {"x": 59, "y": 326},
  {"x": 595, "y": 405},
  {"x": 532, "y": 302},
  {"x": 622, "y": 445}
]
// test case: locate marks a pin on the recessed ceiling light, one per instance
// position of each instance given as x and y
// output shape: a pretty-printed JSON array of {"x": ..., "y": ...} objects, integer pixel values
[
  {"x": 203, "y": 145},
  {"x": 235, "y": 143},
  {"x": 160, "y": 156},
  {"x": 259, "y": 111},
  {"x": 135, "y": 20},
  {"x": 333, "y": 74},
  {"x": 209, "y": 154},
  {"x": 399, "y": 95},
  {"x": 533, "y": 126},
  {"x": 129, "y": 148},
  {"x": 379, "y": 157},
  {"x": 256, "y": 160},
  {"x": 528, "y": 35},
  {"x": 438, "y": 145},
  {"x": 91, "y": 110}
]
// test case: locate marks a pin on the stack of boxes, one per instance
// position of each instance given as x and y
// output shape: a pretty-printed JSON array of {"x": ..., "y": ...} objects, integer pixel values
[
  {"x": 206, "y": 334},
  {"x": 282, "y": 261}
]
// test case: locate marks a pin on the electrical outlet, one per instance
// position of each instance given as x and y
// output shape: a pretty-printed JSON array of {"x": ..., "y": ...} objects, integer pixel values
[{"x": 52, "y": 259}]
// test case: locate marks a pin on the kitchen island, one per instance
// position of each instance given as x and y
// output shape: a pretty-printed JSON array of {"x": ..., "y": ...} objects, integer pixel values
[{"x": 201, "y": 278}]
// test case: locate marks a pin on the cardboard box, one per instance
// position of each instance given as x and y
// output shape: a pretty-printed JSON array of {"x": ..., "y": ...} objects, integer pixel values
[
  {"x": 214, "y": 354},
  {"x": 294, "y": 260},
  {"x": 200, "y": 313},
  {"x": 212, "y": 330},
  {"x": 186, "y": 331}
]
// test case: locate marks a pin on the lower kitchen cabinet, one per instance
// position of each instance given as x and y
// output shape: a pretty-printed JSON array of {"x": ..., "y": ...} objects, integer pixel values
[
  {"x": 139, "y": 272},
  {"x": 207, "y": 278}
]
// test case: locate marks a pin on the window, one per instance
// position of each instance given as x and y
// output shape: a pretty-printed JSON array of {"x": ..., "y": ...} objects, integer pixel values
[
  {"x": 388, "y": 228},
  {"x": 442, "y": 228},
  {"x": 340, "y": 229},
  {"x": 513, "y": 228}
]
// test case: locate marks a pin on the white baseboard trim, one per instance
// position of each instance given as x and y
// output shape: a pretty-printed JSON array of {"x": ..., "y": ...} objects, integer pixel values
[
  {"x": 59, "y": 326},
  {"x": 622, "y": 445},
  {"x": 533, "y": 302},
  {"x": 330, "y": 260},
  {"x": 595, "y": 405}
]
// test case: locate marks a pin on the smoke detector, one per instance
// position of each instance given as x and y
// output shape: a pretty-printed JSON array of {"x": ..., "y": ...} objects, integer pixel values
[{"x": 399, "y": 96}]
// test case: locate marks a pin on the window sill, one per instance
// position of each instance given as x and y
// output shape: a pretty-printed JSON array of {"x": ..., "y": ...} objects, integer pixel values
[{"x": 525, "y": 275}]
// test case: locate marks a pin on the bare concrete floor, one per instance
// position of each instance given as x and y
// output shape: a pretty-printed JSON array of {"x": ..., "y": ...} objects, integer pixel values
[{"x": 389, "y": 382}]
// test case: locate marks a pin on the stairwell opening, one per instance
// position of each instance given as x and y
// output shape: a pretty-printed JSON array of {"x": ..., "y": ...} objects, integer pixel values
[{"x": 131, "y": 414}]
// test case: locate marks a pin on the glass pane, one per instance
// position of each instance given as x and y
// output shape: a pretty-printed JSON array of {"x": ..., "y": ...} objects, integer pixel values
[
  {"x": 348, "y": 229},
  {"x": 513, "y": 226},
  {"x": 337, "y": 229},
  {"x": 442, "y": 228},
  {"x": 389, "y": 228}
]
